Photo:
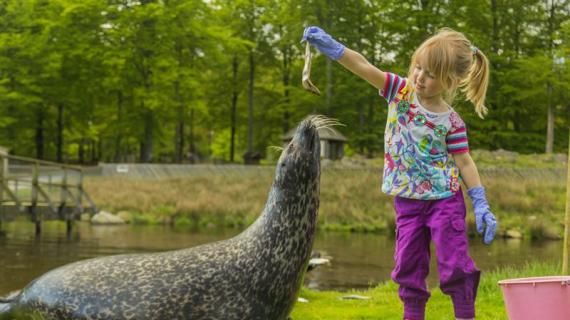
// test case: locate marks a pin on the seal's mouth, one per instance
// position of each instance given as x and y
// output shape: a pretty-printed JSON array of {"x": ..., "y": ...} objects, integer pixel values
[{"x": 307, "y": 138}]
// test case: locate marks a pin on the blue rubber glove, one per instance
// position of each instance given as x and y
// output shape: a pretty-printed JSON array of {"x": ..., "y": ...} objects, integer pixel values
[
  {"x": 321, "y": 40},
  {"x": 484, "y": 218}
]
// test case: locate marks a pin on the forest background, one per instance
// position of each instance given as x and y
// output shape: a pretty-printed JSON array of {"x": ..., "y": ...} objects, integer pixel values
[{"x": 84, "y": 81}]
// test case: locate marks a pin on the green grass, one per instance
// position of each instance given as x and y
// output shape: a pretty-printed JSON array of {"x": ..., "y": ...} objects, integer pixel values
[{"x": 385, "y": 304}]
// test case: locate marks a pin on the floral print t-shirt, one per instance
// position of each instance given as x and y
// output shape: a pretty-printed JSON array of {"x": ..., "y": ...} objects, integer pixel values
[{"x": 418, "y": 145}]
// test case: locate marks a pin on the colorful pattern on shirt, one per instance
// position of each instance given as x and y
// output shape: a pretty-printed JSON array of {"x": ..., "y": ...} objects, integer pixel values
[{"x": 418, "y": 144}]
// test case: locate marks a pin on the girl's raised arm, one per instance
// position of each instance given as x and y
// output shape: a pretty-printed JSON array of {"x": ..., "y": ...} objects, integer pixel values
[{"x": 350, "y": 59}]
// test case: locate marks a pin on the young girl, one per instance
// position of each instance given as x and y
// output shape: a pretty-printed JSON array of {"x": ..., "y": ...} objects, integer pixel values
[{"x": 426, "y": 153}]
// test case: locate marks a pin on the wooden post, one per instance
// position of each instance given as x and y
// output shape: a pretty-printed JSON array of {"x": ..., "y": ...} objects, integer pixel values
[
  {"x": 33, "y": 208},
  {"x": 80, "y": 188},
  {"x": 566, "y": 250},
  {"x": 62, "y": 205},
  {"x": 3, "y": 175}
]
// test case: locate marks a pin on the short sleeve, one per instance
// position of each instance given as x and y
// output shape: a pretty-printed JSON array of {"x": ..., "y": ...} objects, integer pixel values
[
  {"x": 394, "y": 83},
  {"x": 456, "y": 139}
]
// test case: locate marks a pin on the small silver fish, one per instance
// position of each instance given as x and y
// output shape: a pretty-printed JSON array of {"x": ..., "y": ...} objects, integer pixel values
[{"x": 307, "y": 84}]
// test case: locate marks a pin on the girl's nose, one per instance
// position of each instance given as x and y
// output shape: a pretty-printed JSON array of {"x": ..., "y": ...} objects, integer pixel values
[{"x": 421, "y": 77}]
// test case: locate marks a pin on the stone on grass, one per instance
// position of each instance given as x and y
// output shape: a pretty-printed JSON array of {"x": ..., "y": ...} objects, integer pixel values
[
  {"x": 355, "y": 297},
  {"x": 106, "y": 218},
  {"x": 514, "y": 234}
]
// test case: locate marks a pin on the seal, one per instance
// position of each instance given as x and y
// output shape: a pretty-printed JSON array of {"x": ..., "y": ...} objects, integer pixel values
[{"x": 254, "y": 275}]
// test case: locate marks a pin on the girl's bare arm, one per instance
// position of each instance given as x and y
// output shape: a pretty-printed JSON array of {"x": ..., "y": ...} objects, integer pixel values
[
  {"x": 358, "y": 65},
  {"x": 467, "y": 169}
]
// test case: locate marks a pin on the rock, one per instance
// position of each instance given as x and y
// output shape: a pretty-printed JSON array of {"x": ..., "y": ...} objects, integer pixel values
[
  {"x": 106, "y": 218},
  {"x": 125, "y": 215},
  {"x": 551, "y": 234},
  {"x": 315, "y": 262},
  {"x": 505, "y": 155},
  {"x": 317, "y": 259},
  {"x": 513, "y": 234},
  {"x": 561, "y": 158},
  {"x": 303, "y": 300},
  {"x": 355, "y": 297}
]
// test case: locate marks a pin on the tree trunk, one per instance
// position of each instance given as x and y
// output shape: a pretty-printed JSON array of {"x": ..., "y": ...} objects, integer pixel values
[
  {"x": 328, "y": 98},
  {"x": 370, "y": 143},
  {"x": 234, "y": 107},
  {"x": 59, "y": 137},
  {"x": 119, "y": 137},
  {"x": 191, "y": 139},
  {"x": 179, "y": 152},
  {"x": 550, "y": 111},
  {"x": 286, "y": 80},
  {"x": 81, "y": 151},
  {"x": 250, "y": 102},
  {"x": 40, "y": 133},
  {"x": 93, "y": 156},
  {"x": 495, "y": 32},
  {"x": 361, "y": 106},
  {"x": 179, "y": 134},
  {"x": 549, "y": 122},
  {"x": 494, "y": 103},
  {"x": 146, "y": 150},
  {"x": 99, "y": 154},
  {"x": 566, "y": 245}
]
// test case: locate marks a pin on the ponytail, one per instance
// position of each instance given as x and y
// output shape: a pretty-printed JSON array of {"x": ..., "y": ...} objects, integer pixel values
[{"x": 475, "y": 85}]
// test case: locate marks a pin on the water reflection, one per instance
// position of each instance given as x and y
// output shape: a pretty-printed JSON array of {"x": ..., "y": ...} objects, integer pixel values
[
  {"x": 364, "y": 260},
  {"x": 358, "y": 260}
]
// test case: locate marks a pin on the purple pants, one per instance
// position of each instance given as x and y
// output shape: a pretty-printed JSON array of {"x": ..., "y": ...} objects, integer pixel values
[{"x": 443, "y": 221}]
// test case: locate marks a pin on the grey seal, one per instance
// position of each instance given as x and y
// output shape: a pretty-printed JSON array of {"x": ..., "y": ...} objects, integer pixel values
[{"x": 254, "y": 275}]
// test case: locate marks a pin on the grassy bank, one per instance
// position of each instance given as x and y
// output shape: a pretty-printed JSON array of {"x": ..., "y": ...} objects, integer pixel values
[
  {"x": 384, "y": 303},
  {"x": 527, "y": 204}
]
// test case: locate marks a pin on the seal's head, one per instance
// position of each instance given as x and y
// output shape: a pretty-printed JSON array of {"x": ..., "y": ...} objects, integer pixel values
[{"x": 299, "y": 164}]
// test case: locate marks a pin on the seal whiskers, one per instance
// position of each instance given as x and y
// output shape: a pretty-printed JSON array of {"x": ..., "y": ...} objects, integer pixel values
[{"x": 255, "y": 275}]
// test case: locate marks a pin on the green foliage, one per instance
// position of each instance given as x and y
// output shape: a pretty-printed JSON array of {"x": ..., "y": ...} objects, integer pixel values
[{"x": 91, "y": 80}]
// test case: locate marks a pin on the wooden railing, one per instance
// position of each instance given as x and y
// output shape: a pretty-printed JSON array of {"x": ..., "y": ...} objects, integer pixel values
[{"x": 42, "y": 189}]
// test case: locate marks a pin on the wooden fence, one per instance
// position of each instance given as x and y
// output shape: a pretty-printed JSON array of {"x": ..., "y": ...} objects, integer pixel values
[
  {"x": 42, "y": 190},
  {"x": 159, "y": 171}
]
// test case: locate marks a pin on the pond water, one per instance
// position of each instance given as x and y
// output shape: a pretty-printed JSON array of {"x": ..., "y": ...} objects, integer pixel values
[{"x": 357, "y": 260}]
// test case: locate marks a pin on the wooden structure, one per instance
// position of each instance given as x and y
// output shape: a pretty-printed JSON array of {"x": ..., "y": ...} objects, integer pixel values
[
  {"x": 332, "y": 142},
  {"x": 566, "y": 249},
  {"x": 41, "y": 189}
]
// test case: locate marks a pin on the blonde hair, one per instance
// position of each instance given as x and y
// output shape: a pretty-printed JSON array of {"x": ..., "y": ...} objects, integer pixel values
[{"x": 456, "y": 63}]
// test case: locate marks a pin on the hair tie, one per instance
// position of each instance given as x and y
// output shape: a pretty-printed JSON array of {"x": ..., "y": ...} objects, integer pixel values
[{"x": 473, "y": 49}]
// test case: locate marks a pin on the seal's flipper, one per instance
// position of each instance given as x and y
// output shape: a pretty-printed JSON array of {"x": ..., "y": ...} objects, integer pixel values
[
  {"x": 6, "y": 304},
  {"x": 5, "y": 308}
]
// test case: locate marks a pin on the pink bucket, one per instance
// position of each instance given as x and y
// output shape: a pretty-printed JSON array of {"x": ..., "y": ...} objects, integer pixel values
[{"x": 537, "y": 298}]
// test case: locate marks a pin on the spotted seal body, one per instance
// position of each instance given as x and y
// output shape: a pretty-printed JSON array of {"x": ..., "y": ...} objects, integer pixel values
[{"x": 255, "y": 275}]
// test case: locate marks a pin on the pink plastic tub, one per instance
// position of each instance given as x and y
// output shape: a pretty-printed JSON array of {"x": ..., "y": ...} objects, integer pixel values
[{"x": 537, "y": 298}]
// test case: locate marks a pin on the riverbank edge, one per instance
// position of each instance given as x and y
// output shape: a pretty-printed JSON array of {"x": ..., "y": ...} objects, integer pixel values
[{"x": 508, "y": 228}]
